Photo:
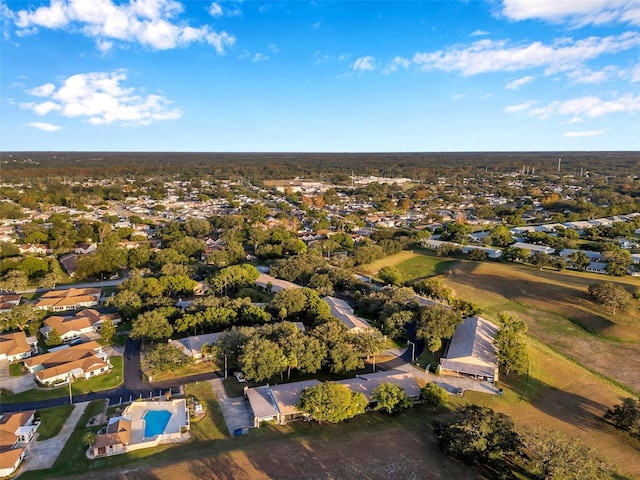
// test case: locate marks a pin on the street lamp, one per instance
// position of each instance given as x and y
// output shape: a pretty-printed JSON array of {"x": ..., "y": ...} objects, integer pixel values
[
  {"x": 225, "y": 365},
  {"x": 413, "y": 350},
  {"x": 70, "y": 395}
]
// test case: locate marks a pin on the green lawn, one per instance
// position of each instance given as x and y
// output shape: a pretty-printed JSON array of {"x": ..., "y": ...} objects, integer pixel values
[
  {"x": 412, "y": 264},
  {"x": 16, "y": 369},
  {"x": 212, "y": 426},
  {"x": 101, "y": 382},
  {"x": 195, "y": 369},
  {"x": 52, "y": 420}
]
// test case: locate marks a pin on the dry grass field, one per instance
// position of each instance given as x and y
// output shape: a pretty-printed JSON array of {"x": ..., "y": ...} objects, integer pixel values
[{"x": 559, "y": 313}]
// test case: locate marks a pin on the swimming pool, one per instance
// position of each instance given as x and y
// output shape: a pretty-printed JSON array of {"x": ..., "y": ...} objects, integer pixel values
[{"x": 155, "y": 421}]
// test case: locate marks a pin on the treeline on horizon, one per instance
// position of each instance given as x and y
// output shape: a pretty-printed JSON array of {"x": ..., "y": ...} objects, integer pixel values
[{"x": 332, "y": 167}]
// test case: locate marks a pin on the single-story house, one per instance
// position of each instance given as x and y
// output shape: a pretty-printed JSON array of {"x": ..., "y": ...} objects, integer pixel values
[
  {"x": 534, "y": 248},
  {"x": 8, "y": 302},
  {"x": 491, "y": 252},
  {"x": 273, "y": 284},
  {"x": 86, "y": 322},
  {"x": 597, "y": 267},
  {"x": 472, "y": 351},
  {"x": 33, "y": 249},
  {"x": 192, "y": 346},
  {"x": 278, "y": 403},
  {"x": 593, "y": 256},
  {"x": 367, "y": 383},
  {"x": 85, "y": 248},
  {"x": 69, "y": 263},
  {"x": 70, "y": 299},
  {"x": 343, "y": 312},
  {"x": 115, "y": 439},
  {"x": 81, "y": 361},
  {"x": 15, "y": 429},
  {"x": 17, "y": 346}
]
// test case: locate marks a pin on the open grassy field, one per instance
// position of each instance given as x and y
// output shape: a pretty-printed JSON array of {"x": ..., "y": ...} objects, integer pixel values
[
  {"x": 559, "y": 313},
  {"x": 411, "y": 265}
]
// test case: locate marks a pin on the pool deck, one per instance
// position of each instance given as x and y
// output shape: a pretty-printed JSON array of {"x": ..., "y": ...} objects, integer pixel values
[{"x": 137, "y": 410}]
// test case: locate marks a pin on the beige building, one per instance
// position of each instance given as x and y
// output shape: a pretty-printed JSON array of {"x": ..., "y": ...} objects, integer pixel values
[
  {"x": 81, "y": 361},
  {"x": 16, "y": 430},
  {"x": 85, "y": 323},
  {"x": 70, "y": 299},
  {"x": 17, "y": 346},
  {"x": 472, "y": 351}
]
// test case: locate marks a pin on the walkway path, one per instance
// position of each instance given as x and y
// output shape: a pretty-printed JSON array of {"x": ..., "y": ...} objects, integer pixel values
[
  {"x": 41, "y": 455},
  {"x": 236, "y": 411}
]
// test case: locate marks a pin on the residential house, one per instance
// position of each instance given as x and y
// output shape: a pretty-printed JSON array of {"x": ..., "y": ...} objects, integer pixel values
[
  {"x": 34, "y": 249},
  {"x": 532, "y": 248},
  {"x": 192, "y": 346},
  {"x": 17, "y": 346},
  {"x": 343, "y": 312},
  {"x": 278, "y": 403},
  {"x": 471, "y": 351},
  {"x": 597, "y": 267},
  {"x": 85, "y": 248},
  {"x": 16, "y": 429},
  {"x": 273, "y": 284},
  {"x": 81, "y": 361},
  {"x": 86, "y": 323},
  {"x": 69, "y": 263},
  {"x": 70, "y": 299},
  {"x": 114, "y": 439},
  {"x": 492, "y": 253},
  {"x": 8, "y": 302}
]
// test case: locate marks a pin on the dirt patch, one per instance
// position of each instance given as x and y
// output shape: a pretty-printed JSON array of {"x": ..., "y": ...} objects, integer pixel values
[{"x": 373, "y": 448}]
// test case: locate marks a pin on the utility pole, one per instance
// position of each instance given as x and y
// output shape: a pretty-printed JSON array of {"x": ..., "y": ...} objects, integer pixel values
[{"x": 70, "y": 394}]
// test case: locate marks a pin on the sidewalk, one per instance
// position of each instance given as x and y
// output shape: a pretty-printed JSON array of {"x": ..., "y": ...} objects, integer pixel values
[{"x": 42, "y": 455}]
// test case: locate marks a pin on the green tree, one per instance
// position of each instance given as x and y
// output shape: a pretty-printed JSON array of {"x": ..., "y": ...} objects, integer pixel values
[
  {"x": 390, "y": 398},
  {"x": 261, "y": 359},
  {"x": 127, "y": 302},
  {"x": 107, "y": 331},
  {"x": 510, "y": 342},
  {"x": 611, "y": 295},
  {"x": 14, "y": 280},
  {"x": 331, "y": 402},
  {"x": 54, "y": 339},
  {"x": 501, "y": 236},
  {"x": 165, "y": 357},
  {"x": 479, "y": 435},
  {"x": 437, "y": 321},
  {"x": 550, "y": 455},
  {"x": 390, "y": 275},
  {"x": 625, "y": 415},
  {"x": 152, "y": 325},
  {"x": 50, "y": 280},
  {"x": 433, "y": 396},
  {"x": 89, "y": 438},
  {"x": 580, "y": 260}
]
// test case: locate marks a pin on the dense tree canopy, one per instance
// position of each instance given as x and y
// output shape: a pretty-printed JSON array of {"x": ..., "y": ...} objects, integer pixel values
[{"x": 331, "y": 402}]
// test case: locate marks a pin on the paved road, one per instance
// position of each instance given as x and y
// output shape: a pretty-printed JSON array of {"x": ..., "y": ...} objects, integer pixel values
[
  {"x": 235, "y": 410},
  {"x": 104, "y": 283}
]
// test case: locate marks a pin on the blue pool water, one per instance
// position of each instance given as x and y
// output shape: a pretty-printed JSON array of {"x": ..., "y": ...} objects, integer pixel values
[{"x": 155, "y": 421}]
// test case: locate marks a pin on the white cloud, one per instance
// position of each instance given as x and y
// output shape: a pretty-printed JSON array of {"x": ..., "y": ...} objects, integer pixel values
[
  {"x": 324, "y": 57},
  {"x": 395, "y": 64},
  {"x": 43, "y": 90},
  {"x": 514, "y": 85},
  {"x": 47, "y": 127},
  {"x": 364, "y": 63},
  {"x": 484, "y": 56},
  {"x": 273, "y": 48},
  {"x": 578, "y": 12},
  {"x": 316, "y": 26},
  {"x": 100, "y": 98},
  {"x": 521, "y": 107},
  {"x": 588, "y": 76},
  {"x": 479, "y": 33},
  {"x": 151, "y": 23},
  {"x": 259, "y": 57},
  {"x": 215, "y": 10},
  {"x": 635, "y": 73},
  {"x": 584, "y": 133},
  {"x": 580, "y": 108}
]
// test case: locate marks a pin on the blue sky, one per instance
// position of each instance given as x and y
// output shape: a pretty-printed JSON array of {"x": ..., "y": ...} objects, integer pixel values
[{"x": 341, "y": 76}]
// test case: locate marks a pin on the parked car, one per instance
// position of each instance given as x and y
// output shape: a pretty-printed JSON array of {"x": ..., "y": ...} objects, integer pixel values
[{"x": 77, "y": 341}]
